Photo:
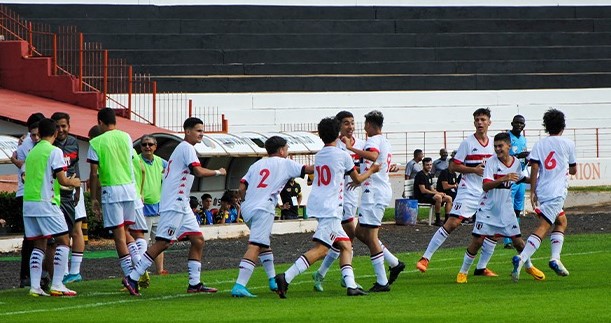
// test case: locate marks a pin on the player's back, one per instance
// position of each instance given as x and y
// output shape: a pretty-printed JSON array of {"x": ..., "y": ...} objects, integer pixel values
[
  {"x": 554, "y": 154},
  {"x": 330, "y": 167}
]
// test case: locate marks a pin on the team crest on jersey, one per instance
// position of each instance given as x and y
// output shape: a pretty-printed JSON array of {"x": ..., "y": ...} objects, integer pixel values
[
  {"x": 171, "y": 232},
  {"x": 474, "y": 149}
]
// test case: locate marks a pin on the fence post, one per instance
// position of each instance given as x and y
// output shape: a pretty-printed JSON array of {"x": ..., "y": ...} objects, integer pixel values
[
  {"x": 30, "y": 40},
  {"x": 597, "y": 144},
  {"x": 54, "y": 58},
  {"x": 80, "y": 62},
  {"x": 445, "y": 139},
  {"x": 190, "y": 108},
  {"x": 105, "y": 81},
  {"x": 130, "y": 80},
  {"x": 225, "y": 123},
  {"x": 154, "y": 103}
]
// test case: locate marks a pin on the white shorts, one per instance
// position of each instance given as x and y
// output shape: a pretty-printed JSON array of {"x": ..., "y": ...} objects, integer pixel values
[
  {"x": 329, "y": 230},
  {"x": 44, "y": 227},
  {"x": 140, "y": 221},
  {"x": 465, "y": 205},
  {"x": 151, "y": 225},
  {"x": 489, "y": 230},
  {"x": 371, "y": 214},
  {"x": 551, "y": 210},
  {"x": 176, "y": 226},
  {"x": 260, "y": 224},
  {"x": 118, "y": 214},
  {"x": 79, "y": 209},
  {"x": 350, "y": 211}
]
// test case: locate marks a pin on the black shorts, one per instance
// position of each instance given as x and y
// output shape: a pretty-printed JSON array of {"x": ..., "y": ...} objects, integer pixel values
[{"x": 426, "y": 198}]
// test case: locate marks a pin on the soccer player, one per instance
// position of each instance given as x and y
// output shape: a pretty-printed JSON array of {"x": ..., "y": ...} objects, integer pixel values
[
  {"x": 494, "y": 217},
  {"x": 259, "y": 188},
  {"x": 45, "y": 170},
  {"x": 331, "y": 166},
  {"x": 519, "y": 149},
  {"x": 551, "y": 159},
  {"x": 469, "y": 160},
  {"x": 176, "y": 220},
  {"x": 351, "y": 202}
]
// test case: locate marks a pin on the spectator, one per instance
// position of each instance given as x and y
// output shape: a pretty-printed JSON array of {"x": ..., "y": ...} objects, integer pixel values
[
  {"x": 413, "y": 166},
  {"x": 229, "y": 212},
  {"x": 291, "y": 200},
  {"x": 206, "y": 212},
  {"x": 441, "y": 163},
  {"x": 447, "y": 182},
  {"x": 425, "y": 193},
  {"x": 194, "y": 203},
  {"x": 235, "y": 210}
]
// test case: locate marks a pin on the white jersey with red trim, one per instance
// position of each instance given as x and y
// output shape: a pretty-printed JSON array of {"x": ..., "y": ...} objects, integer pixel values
[
  {"x": 554, "y": 154},
  {"x": 378, "y": 183},
  {"x": 331, "y": 165},
  {"x": 265, "y": 179},
  {"x": 352, "y": 196},
  {"x": 471, "y": 153},
  {"x": 177, "y": 181},
  {"x": 496, "y": 206}
]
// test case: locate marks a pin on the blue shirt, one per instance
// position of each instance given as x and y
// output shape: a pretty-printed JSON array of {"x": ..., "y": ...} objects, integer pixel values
[{"x": 518, "y": 145}]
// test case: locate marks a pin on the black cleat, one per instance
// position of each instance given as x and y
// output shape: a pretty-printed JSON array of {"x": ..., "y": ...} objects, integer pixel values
[
  {"x": 283, "y": 286},
  {"x": 131, "y": 285},
  {"x": 379, "y": 288},
  {"x": 355, "y": 292},
  {"x": 395, "y": 271}
]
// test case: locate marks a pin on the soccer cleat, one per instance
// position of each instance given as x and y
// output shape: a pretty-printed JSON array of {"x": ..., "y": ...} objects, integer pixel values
[
  {"x": 395, "y": 271},
  {"x": 62, "y": 291},
  {"x": 37, "y": 292},
  {"x": 422, "y": 264},
  {"x": 355, "y": 292},
  {"x": 131, "y": 285},
  {"x": 517, "y": 266},
  {"x": 461, "y": 278},
  {"x": 241, "y": 291},
  {"x": 558, "y": 267},
  {"x": 536, "y": 273},
  {"x": 342, "y": 283},
  {"x": 201, "y": 288},
  {"x": 272, "y": 284},
  {"x": 377, "y": 288},
  {"x": 72, "y": 278},
  {"x": 283, "y": 286},
  {"x": 145, "y": 280},
  {"x": 318, "y": 279},
  {"x": 484, "y": 272}
]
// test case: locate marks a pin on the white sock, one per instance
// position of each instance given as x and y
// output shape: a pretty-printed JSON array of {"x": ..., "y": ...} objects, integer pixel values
[
  {"x": 532, "y": 244},
  {"x": 134, "y": 252},
  {"x": 195, "y": 269},
  {"x": 348, "y": 276},
  {"x": 141, "y": 266},
  {"x": 126, "y": 264},
  {"x": 75, "y": 262},
  {"x": 60, "y": 262},
  {"x": 245, "y": 272},
  {"x": 141, "y": 243},
  {"x": 330, "y": 258},
  {"x": 437, "y": 240},
  {"x": 557, "y": 240},
  {"x": 36, "y": 259},
  {"x": 467, "y": 262},
  {"x": 267, "y": 261},
  {"x": 378, "y": 267},
  {"x": 297, "y": 268},
  {"x": 390, "y": 259},
  {"x": 487, "y": 251}
]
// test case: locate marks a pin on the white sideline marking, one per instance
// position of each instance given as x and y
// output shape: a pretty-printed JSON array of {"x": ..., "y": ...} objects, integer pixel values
[{"x": 140, "y": 299}]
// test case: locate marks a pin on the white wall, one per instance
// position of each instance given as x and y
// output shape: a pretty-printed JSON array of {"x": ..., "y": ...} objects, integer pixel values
[{"x": 407, "y": 3}]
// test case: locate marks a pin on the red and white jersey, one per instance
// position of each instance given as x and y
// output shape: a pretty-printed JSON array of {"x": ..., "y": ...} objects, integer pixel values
[
  {"x": 378, "y": 183},
  {"x": 352, "y": 196},
  {"x": 471, "y": 153},
  {"x": 177, "y": 181},
  {"x": 554, "y": 154},
  {"x": 496, "y": 206},
  {"x": 331, "y": 165},
  {"x": 265, "y": 179}
]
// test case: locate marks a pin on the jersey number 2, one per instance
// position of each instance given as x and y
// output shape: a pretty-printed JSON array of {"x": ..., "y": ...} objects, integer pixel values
[{"x": 265, "y": 173}]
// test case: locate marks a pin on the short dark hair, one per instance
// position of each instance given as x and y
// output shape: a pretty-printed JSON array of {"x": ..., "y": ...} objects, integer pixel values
[
  {"x": 227, "y": 196},
  {"x": 503, "y": 136},
  {"x": 417, "y": 152},
  {"x": 375, "y": 118},
  {"x": 191, "y": 122},
  {"x": 47, "y": 127},
  {"x": 34, "y": 118},
  {"x": 206, "y": 196},
  {"x": 553, "y": 121},
  {"x": 328, "y": 130},
  {"x": 426, "y": 160},
  {"x": 94, "y": 132},
  {"x": 193, "y": 202},
  {"x": 480, "y": 111},
  {"x": 274, "y": 143},
  {"x": 343, "y": 115},
  {"x": 60, "y": 115},
  {"x": 107, "y": 116}
]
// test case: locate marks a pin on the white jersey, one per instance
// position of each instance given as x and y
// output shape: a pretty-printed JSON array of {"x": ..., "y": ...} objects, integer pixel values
[
  {"x": 178, "y": 179},
  {"x": 378, "y": 183},
  {"x": 471, "y": 153},
  {"x": 46, "y": 206},
  {"x": 496, "y": 206},
  {"x": 331, "y": 165},
  {"x": 265, "y": 179},
  {"x": 554, "y": 154},
  {"x": 351, "y": 197}
]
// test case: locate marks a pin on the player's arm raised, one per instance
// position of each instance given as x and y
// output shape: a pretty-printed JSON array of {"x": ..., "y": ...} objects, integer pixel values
[
  {"x": 359, "y": 178},
  {"x": 205, "y": 172}
]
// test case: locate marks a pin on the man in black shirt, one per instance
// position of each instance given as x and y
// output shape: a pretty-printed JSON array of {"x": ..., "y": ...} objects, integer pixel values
[
  {"x": 425, "y": 193},
  {"x": 291, "y": 199}
]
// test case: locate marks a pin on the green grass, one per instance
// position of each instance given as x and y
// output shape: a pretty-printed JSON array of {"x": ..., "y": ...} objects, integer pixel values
[
  {"x": 434, "y": 296},
  {"x": 603, "y": 188}
]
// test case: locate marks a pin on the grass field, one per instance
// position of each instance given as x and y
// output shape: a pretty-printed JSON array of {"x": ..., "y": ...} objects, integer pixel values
[{"x": 433, "y": 296}]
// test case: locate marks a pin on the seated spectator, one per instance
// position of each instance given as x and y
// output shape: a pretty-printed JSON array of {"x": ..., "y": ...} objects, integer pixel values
[
  {"x": 235, "y": 210},
  {"x": 229, "y": 212},
  {"x": 441, "y": 163},
  {"x": 206, "y": 212},
  {"x": 425, "y": 193},
  {"x": 291, "y": 199},
  {"x": 194, "y": 203},
  {"x": 413, "y": 166},
  {"x": 447, "y": 181}
]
